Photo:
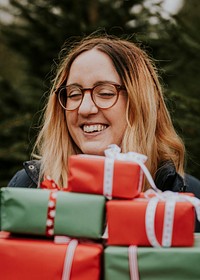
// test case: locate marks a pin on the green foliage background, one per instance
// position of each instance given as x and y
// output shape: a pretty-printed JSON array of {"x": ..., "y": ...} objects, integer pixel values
[{"x": 31, "y": 41}]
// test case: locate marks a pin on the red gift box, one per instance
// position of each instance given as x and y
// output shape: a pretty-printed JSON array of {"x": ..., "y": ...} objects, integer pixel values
[
  {"x": 26, "y": 258},
  {"x": 95, "y": 174},
  {"x": 127, "y": 223}
]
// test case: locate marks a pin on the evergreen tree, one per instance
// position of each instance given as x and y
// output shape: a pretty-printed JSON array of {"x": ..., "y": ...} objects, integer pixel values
[{"x": 39, "y": 29}]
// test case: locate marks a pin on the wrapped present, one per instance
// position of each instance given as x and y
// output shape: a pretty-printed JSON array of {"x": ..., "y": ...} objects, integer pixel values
[
  {"x": 49, "y": 212},
  {"x": 116, "y": 175},
  {"x": 164, "y": 220},
  {"x": 28, "y": 258},
  {"x": 147, "y": 263},
  {"x": 0, "y": 209}
]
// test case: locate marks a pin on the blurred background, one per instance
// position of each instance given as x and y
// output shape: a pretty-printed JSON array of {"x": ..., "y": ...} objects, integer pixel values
[{"x": 33, "y": 32}]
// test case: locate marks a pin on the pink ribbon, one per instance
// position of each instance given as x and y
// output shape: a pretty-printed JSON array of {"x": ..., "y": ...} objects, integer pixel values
[
  {"x": 133, "y": 264},
  {"x": 69, "y": 256}
]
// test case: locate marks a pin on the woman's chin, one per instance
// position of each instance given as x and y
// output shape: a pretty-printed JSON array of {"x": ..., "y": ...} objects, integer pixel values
[{"x": 94, "y": 150}]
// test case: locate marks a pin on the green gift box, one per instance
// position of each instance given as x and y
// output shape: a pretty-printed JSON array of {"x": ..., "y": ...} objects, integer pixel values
[
  {"x": 154, "y": 263},
  {"x": 78, "y": 215}
]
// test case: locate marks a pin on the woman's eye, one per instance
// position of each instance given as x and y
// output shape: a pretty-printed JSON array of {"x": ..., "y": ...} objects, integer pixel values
[
  {"x": 106, "y": 94},
  {"x": 74, "y": 95}
]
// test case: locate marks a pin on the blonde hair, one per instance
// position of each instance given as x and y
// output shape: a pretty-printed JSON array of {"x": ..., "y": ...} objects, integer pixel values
[{"x": 149, "y": 127}]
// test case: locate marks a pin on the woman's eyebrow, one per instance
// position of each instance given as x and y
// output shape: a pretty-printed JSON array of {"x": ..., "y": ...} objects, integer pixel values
[
  {"x": 74, "y": 84},
  {"x": 95, "y": 84}
]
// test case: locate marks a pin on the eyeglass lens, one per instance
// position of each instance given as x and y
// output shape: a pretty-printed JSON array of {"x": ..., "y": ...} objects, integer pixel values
[{"x": 104, "y": 96}]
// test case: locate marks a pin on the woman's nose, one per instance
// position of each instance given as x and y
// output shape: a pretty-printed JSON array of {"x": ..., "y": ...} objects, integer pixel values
[{"x": 87, "y": 105}]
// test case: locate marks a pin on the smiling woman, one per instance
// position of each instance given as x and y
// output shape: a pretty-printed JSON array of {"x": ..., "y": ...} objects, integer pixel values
[
  {"x": 106, "y": 91},
  {"x": 98, "y": 109}
]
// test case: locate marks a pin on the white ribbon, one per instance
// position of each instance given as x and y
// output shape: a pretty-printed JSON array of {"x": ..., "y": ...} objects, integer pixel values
[
  {"x": 150, "y": 220},
  {"x": 69, "y": 256},
  {"x": 168, "y": 222},
  {"x": 69, "y": 259},
  {"x": 167, "y": 225},
  {"x": 170, "y": 199},
  {"x": 113, "y": 153},
  {"x": 62, "y": 239},
  {"x": 133, "y": 264},
  {"x": 105, "y": 234},
  {"x": 108, "y": 177}
]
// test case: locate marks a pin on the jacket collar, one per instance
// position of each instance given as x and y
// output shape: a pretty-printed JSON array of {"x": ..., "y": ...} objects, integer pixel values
[{"x": 32, "y": 168}]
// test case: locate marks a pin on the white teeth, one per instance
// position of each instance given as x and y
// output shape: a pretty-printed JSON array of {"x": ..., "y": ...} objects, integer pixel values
[{"x": 93, "y": 128}]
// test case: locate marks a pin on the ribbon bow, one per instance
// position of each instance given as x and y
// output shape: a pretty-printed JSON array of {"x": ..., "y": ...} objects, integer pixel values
[
  {"x": 170, "y": 198},
  {"x": 114, "y": 153},
  {"x": 50, "y": 184}
]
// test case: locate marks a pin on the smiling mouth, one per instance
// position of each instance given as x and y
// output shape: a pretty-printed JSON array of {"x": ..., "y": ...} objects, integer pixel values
[{"x": 94, "y": 128}]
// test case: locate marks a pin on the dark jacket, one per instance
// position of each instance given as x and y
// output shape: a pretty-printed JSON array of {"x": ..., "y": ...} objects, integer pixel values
[{"x": 166, "y": 179}]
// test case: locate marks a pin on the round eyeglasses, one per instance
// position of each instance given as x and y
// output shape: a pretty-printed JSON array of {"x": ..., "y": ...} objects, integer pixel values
[{"x": 104, "y": 95}]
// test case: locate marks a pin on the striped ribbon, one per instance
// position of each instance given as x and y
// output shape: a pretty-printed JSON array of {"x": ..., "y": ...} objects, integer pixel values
[
  {"x": 113, "y": 153},
  {"x": 108, "y": 177},
  {"x": 167, "y": 225},
  {"x": 170, "y": 198}
]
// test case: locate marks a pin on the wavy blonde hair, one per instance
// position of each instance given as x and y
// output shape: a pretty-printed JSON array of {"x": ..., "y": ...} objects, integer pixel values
[{"x": 149, "y": 127}]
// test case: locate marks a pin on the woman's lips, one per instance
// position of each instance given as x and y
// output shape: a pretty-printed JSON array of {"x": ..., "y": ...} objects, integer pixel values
[{"x": 94, "y": 127}]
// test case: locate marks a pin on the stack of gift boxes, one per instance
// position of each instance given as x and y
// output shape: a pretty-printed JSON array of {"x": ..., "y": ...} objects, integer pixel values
[{"x": 101, "y": 227}]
